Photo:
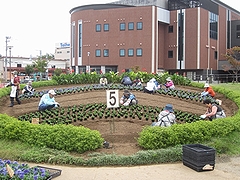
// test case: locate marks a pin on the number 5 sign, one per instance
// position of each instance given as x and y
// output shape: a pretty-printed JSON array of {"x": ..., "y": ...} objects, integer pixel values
[{"x": 112, "y": 98}]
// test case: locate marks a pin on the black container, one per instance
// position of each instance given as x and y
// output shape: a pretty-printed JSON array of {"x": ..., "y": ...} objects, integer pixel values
[
  {"x": 53, "y": 172},
  {"x": 198, "y": 157}
]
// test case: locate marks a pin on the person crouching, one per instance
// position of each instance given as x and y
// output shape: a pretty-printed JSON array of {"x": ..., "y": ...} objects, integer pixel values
[
  {"x": 47, "y": 101},
  {"x": 128, "y": 99}
]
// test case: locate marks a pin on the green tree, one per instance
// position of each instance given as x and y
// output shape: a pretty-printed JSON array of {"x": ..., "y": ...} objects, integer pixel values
[
  {"x": 41, "y": 63},
  {"x": 29, "y": 69},
  {"x": 233, "y": 57}
]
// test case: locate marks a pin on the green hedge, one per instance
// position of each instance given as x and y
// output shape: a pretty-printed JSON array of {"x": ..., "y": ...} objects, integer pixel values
[
  {"x": 61, "y": 137},
  {"x": 196, "y": 132}
]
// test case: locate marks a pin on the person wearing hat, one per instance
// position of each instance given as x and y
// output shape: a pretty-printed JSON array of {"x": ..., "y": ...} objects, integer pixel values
[
  {"x": 214, "y": 111},
  {"x": 208, "y": 91},
  {"x": 151, "y": 86},
  {"x": 128, "y": 99},
  {"x": 166, "y": 117},
  {"x": 15, "y": 88},
  {"x": 28, "y": 89},
  {"x": 169, "y": 84},
  {"x": 47, "y": 101}
]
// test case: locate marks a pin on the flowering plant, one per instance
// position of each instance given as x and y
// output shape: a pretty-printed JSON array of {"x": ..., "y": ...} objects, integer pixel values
[{"x": 21, "y": 171}]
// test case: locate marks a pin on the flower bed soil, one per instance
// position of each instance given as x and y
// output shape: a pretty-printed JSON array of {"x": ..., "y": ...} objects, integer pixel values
[{"x": 121, "y": 133}]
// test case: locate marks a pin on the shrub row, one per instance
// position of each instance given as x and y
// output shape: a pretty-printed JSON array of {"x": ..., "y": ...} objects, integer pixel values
[
  {"x": 155, "y": 137},
  {"x": 61, "y": 137}
]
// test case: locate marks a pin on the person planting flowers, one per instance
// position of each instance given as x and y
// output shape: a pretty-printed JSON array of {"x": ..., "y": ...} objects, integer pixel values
[
  {"x": 47, "y": 101},
  {"x": 128, "y": 99}
]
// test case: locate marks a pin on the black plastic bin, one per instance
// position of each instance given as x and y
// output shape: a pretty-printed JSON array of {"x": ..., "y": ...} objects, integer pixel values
[
  {"x": 53, "y": 172},
  {"x": 198, "y": 157}
]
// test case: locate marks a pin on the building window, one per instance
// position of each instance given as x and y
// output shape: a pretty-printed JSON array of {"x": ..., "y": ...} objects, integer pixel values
[
  {"x": 19, "y": 65},
  {"x": 170, "y": 54},
  {"x": 215, "y": 54},
  {"x": 213, "y": 26},
  {"x": 139, "y": 52},
  {"x": 130, "y": 26},
  {"x": 122, "y": 52},
  {"x": 68, "y": 51},
  {"x": 238, "y": 27},
  {"x": 98, "y": 27},
  {"x": 105, "y": 52},
  {"x": 238, "y": 35},
  {"x": 122, "y": 26},
  {"x": 106, "y": 27},
  {"x": 98, "y": 53},
  {"x": 139, "y": 25},
  {"x": 170, "y": 29},
  {"x": 130, "y": 52}
]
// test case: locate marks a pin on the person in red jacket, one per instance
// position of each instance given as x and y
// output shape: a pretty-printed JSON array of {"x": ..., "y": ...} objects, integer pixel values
[
  {"x": 208, "y": 91},
  {"x": 15, "y": 88}
]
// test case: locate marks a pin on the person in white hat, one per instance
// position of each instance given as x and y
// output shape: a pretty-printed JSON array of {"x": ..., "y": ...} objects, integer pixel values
[
  {"x": 47, "y": 101},
  {"x": 166, "y": 117},
  {"x": 151, "y": 87},
  {"x": 208, "y": 91},
  {"x": 169, "y": 84}
]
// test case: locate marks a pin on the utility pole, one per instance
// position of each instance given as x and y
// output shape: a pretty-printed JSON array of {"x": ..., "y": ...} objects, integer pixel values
[
  {"x": 10, "y": 60},
  {"x": 5, "y": 74}
]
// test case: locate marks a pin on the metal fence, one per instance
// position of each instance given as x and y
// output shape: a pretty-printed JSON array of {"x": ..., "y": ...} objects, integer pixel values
[{"x": 216, "y": 78}]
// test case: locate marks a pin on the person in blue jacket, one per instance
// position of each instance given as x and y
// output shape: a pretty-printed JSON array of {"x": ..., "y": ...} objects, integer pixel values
[
  {"x": 128, "y": 99},
  {"x": 126, "y": 81},
  {"x": 47, "y": 101}
]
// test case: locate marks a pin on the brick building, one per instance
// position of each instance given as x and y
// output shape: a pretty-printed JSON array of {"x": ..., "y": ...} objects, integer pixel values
[{"x": 183, "y": 36}]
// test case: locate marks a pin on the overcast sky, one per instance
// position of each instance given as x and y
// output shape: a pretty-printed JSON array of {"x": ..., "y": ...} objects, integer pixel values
[{"x": 36, "y": 25}]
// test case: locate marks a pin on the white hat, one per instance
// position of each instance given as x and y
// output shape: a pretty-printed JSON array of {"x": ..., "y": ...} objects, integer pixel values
[
  {"x": 168, "y": 79},
  {"x": 51, "y": 92},
  {"x": 206, "y": 85}
]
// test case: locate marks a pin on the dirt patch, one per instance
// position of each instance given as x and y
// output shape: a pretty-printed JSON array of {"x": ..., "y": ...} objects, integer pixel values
[{"x": 122, "y": 133}]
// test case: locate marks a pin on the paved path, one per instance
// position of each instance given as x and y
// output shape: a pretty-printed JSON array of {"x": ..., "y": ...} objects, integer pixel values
[{"x": 176, "y": 171}]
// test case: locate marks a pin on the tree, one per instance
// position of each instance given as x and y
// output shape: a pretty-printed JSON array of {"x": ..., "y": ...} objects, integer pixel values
[
  {"x": 29, "y": 69},
  {"x": 233, "y": 57},
  {"x": 41, "y": 63}
]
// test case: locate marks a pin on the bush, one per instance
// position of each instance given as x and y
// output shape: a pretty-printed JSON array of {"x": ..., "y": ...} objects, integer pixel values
[{"x": 61, "y": 137}]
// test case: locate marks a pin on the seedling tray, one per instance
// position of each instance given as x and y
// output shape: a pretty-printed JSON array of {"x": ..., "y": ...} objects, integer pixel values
[{"x": 53, "y": 172}]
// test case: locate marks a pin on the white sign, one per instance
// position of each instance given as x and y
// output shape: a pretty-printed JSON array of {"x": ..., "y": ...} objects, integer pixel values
[{"x": 112, "y": 98}]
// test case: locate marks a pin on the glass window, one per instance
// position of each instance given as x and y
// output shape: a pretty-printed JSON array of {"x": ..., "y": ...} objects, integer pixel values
[
  {"x": 238, "y": 35},
  {"x": 105, "y": 52},
  {"x": 106, "y": 27},
  {"x": 122, "y": 26},
  {"x": 170, "y": 54},
  {"x": 213, "y": 26},
  {"x": 215, "y": 54},
  {"x": 98, "y": 53},
  {"x": 238, "y": 27},
  {"x": 139, "y": 51},
  {"x": 130, "y": 52},
  {"x": 98, "y": 27},
  {"x": 122, "y": 52},
  {"x": 130, "y": 26},
  {"x": 170, "y": 29},
  {"x": 139, "y": 25}
]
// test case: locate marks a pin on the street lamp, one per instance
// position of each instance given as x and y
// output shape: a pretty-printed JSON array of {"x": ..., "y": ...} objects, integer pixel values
[
  {"x": 88, "y": 53},
  {"x": 7, "y": 40},
  {"x": 10, "y": 60}
]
